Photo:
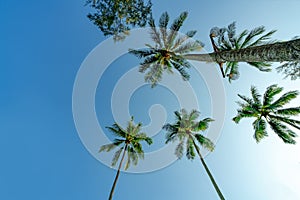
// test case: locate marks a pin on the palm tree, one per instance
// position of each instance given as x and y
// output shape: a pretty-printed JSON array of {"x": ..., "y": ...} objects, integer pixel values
[
  {"x": 169, "y": 47},
  {"x": 270, "y": 111},
  {"x": 252, "y": 47},
  {"x": 225, "y": 39},
  {"x": 288, "y": 52},
  {"x": 185, "y": 130},
  {"x": 130, "y": 139}
]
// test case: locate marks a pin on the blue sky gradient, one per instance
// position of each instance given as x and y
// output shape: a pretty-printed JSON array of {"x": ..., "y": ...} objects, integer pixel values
[{"x": 43, "y": 44}]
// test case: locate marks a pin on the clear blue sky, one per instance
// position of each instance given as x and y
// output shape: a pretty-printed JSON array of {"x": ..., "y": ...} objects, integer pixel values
[{"x": 43, "y": 44}]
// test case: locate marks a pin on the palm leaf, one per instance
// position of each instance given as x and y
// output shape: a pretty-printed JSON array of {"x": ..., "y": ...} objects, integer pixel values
[
  {"x": 288, "y": 111},
  {"x": 282, "y": 131},
  {"x": 141, "y": 53},
  {"x": 251, "y": 35},
  {"x": 255, "y": 95},
  {"x": 190, "y": 153},
  {"x": 179, "y": 150},
  {"x": 175, "y": 27},
  {"x": 284, "y": 99},
  {"x": 116, "y": 156},
  {"x": 205, "y": 142},
  {"x": 261, "y": 66},
  {"x": 291, "y": 122},
  {"x": 203, "y": 124},
  {"x": 259, "y": 126},
  {"x": 163, "y": 23},
  {"x": 270, "y": 93},
  {"x": 155, "y": 35}
]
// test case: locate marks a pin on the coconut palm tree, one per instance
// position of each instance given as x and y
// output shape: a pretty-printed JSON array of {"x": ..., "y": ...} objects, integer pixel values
[
  {"x": 252, "y": 47},
  {"x": 225, "y": 39},
  {"x": 268, "y": 110},
  {"x": 185, "y": 131},
  {"x": 129, "y": 139},
  {"x": 167, "y": 52}
]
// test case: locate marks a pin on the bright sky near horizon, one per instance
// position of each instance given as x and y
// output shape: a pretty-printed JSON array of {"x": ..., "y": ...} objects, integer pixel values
[{"x": 43, "y": 44}]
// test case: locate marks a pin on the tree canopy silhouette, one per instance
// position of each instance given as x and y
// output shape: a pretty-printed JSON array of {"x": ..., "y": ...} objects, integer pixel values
[{"x": 117, "y": 17}]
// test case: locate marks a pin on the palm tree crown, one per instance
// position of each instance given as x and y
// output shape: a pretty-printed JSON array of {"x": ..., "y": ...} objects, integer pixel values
[
  {"x": 165, "y": 55},
  {"x": 185, "y": 131},
  {"x": 268, "y": 110},
  {"x": 129, "y": 138},
  {"x": 225, "y": 39}
]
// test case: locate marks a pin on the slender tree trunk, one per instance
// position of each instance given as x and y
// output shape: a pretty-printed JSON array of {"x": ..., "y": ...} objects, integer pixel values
[
  {"x": 276, "y": 52},
  {"x": 117, "y": 175},
  {"x": 208, "y": 172}
]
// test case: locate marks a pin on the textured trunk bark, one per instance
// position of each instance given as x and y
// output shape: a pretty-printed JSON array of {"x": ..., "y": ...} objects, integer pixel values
[
  {"x": 208, "y": 172},
  {"x": 117, "y": 176},
  {"x": 276, "y": 52}
]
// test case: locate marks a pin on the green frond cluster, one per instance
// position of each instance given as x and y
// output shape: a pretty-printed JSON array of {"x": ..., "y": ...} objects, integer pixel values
[
  {"x": 165, "y": 54},
  {"x": 270, "y": 111},
  {"x": 130, "y": 139},
  {"x": 116, "y": 18},
  {"x": 290, "y": 69},
  {"x": 226, "y": 39},
  {"x": 185, "y": 131}
]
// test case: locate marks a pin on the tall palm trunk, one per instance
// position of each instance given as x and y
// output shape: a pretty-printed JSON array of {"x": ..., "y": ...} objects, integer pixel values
[
  {"x": 117, "y": 175},
  {"x": 275, "y": 52},
  {"x": 208, "y": 172}
]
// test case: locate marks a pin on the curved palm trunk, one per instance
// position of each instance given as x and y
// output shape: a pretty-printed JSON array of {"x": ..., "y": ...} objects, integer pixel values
[
  {"x": 117, "y": 175},
  {"x": 208, "y": 172},
  {"x": 276, "y": 52}
]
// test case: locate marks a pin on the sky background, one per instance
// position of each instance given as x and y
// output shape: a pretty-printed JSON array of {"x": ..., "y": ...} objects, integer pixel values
[{"x": 43, "y": 44}]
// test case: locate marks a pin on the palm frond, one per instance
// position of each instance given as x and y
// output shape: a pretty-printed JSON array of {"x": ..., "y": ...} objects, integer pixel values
[
  {"x": 259, "y": 126},
  {"x": 181, "y": 39},
  {"x": 189, "y": 47},
  {"x": 292, "y": 122},
  {"x": 179, "y": 149},
  {"x": 190, "y": 153},
  {"x": 255, "y": 95},
  {"x": 247, "y": 99},
  {"x": 203, "y": 124},
  {"x": 108, "y": 147},
  {"x": 205, "y": 142},
  {"x": 117, "y": 130},
  {"x": 261, "y": 66},
  {"x": 163, "y": 23},
  {"x": 271, "y": 91},
  {"x": 142, "y": 53},
  {"x": 283, "y": 132},
  {"x": 288, "y": 111},
  {"x": 154, "y": 75},
  {"x": 255, "y": 32},
  {"x": 263, "y": 39},
  {"x": 245, "y": 112},
  {"x": 284, "y": 99},
  {"x": 175, "y": 27},
  {"x": 116, "y": 156},
  {"x": 185, "y": 76},
  {"x": 154, "y": 33},
  {"x": 290, "y": 69},
  {"x": 178, "y": 115},
  {"x": 232, "y": 71}
]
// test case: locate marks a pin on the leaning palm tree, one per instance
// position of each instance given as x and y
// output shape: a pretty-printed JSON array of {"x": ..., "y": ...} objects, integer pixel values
[
  {"x": 268, "y": 110},
  {"x": 225, "y": 39},
  {"x": 129, "y": 139},
  {"x": 252, "y": 47},
  {"x": 167, "y": 52},
  {"x": 185, "y": 130}
]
